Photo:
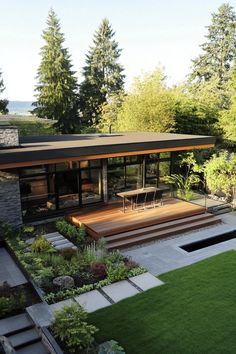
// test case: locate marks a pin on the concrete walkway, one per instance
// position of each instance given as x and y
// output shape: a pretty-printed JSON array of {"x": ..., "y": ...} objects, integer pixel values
[
  {"x": 165, "y": 255},
  {"x": 9, "y": 271}
]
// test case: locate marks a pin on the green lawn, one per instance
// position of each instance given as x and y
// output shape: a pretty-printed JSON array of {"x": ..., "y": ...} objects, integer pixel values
[{"x": 194, "y": 312}]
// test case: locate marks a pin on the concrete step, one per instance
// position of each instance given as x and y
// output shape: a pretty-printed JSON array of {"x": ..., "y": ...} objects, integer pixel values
[
  {"x": 159, "y": 227},
  {"x": 24, "y": 338},
  {"x": 134, "y": 240},
  {"x": 36, "y": 348},
  {"x": 52, "y": 234},
  {"x": 15, "y": 324}
]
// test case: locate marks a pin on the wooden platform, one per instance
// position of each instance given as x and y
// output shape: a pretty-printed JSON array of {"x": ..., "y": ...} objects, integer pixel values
[{"x": 110, "y": 220}]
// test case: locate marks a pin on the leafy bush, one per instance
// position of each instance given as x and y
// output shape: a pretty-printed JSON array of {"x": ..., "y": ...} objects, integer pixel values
[
  {"x": 110, "y": 347},
  {"x": 28, "y": 230},
  {"x": 12, "y": 302},
  {"x": 98, "y": 269},
  {"x": 71, "y": 328},
  {"x": 130, "y": 264},
  {"x": 116, "y": 273},
  {"x": 40, "y": 244},
  {"x": 4, "y": 288},
  {"x": 71, "y": 231},
  {"x": 68, "y": 253}
]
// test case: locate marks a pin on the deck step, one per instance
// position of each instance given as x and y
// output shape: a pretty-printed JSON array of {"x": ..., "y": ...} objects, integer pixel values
[
  {"x": 158, "y": 227},
  {"x": 170, "y": 231}
]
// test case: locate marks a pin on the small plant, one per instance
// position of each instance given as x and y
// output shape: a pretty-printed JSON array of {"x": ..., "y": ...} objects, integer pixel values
[
  {"x": 72, "y": 232},
  {"x": 70, "y": 327},
  {"x": 28, "y": 230},
  {"x": 68, "y": 253},
  {"x": 40, "y": 244},
  {"x": 98, "y": 269},
  {"x": 110, "y": 347},
  {"x": 117, "y": 272},
  {"x": 130, "y": 264}
]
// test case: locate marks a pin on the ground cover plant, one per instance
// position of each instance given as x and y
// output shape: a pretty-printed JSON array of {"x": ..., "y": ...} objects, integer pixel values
[
  {"x": 193, "y": 312},
  {"x": 70, "y": 272}
]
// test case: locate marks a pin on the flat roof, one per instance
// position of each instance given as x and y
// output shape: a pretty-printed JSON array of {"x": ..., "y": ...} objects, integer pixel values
[{"x": 35, "y": 149}]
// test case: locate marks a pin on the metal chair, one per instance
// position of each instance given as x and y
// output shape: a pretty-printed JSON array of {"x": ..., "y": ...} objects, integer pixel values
[
  {"x": 139, "y": 204},
  {"x": 158, "y": 201},
  {"x": 150, "y": 200}
]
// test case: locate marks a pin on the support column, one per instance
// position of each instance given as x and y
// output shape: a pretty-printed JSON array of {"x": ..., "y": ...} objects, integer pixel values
[{"x": 104, "y": 180}]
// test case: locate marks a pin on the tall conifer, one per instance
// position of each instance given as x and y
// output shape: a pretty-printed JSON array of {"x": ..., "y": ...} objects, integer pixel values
[
  {"x": 103, "y": 75},
  {"x": 3, "y": 102},
  {"x": 56, "y": 91}
]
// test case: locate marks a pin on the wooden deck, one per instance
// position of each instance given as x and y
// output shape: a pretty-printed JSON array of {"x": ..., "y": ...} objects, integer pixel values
[{"x": 109, "y": 220}]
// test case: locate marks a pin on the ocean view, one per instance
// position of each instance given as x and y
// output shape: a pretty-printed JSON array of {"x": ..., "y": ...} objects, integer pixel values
[{"x": 19, "y": 107}]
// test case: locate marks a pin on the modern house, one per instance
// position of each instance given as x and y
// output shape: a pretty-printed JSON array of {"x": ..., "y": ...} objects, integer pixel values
[{"x": 45, "y": 176}]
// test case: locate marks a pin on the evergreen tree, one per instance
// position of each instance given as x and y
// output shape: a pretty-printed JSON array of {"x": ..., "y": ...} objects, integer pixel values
[
  {"x": 102, "y": 74},
  {"x": 56, "y": 91},
  {"x": 219, "y": 50},
  {"x": 3, "y": 102}
]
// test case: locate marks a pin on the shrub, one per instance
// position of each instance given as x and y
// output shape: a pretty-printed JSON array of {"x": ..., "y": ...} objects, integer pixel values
[
  {"x": 116, "y": 273},
  {"x": 28, "y": 230},
  {"x": 68, "y": 253},
  {"x": 110, "y": 347},
  {"x": 98, "y": 269},
  {"x": 71, "y": 231},
  {"x": 71, "y": 328},
  {"x": 4, "y": 289},
  {"x": 40, "y": 244}
]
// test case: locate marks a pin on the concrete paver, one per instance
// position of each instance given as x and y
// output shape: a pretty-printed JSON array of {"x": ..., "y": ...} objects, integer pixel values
[
  {"x": 120, "y": 290},
  {"x": 146, "y": 281},
  {"x": 92, "y": 301}
]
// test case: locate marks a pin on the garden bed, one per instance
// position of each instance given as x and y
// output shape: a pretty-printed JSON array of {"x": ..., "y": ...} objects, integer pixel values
[{"x": 69, "y": 272}]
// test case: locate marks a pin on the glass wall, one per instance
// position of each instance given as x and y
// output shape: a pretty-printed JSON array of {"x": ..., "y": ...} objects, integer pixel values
[
  {"x": 133, "y": 172},
  {"x": 48, "y": 188}
]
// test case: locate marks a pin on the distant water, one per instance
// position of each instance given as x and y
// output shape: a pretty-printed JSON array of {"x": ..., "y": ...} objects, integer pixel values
[{"x": 19, "y": 107}]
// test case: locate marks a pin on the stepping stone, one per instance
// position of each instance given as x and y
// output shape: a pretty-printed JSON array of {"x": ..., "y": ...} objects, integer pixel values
[
  {"x": 65, "y": 245},
  {"x": 15, "y": 323},
  {"x": 146, "y": 281},
  {"x": 41, "y": 314},
  {"x": 52, "y": 234},
  {"x": 120, "y": 290},
  {"x": 59, "y": 305},
  {"x": 60, "y": 242},
  {"x": 24, "y": 337},
  {"x": 92, "y": 301},
  {"x": 56, "y": 238}
]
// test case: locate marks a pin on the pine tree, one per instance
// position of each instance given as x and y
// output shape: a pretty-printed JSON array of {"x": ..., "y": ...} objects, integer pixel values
[
  {"x": 56, "y": 91},
  {"x": 103, "y": 75},
  {"x": 219, "y": 50},
  {"x": 3, "y": 102}
]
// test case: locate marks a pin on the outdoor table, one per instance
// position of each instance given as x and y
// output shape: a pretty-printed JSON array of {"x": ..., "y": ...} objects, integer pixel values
[{"x": 136, "y": 192}]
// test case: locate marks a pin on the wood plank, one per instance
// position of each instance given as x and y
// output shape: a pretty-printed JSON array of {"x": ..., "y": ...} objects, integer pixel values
[{"x": 110, "y": 220}]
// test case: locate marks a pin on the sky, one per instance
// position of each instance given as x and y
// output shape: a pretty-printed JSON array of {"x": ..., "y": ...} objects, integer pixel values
[{"x": 151, "y": 33}]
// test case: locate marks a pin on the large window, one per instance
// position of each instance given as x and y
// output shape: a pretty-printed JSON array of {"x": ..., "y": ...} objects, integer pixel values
[{"x": 48, "y": 188}]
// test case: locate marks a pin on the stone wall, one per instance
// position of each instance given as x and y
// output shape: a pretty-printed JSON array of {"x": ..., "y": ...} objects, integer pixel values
[
  {"x": 9, "y": 136},
  {"x": 10, "y": 202}
]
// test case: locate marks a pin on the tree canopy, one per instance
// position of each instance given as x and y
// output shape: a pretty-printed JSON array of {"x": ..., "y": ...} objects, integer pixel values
[
  {"x": 56, "y": 91},
  {"x": 103, "y": 74},
  {"x": 219, "y": 50},
  {"x": 148, "y": 107},
  {"x": 220, "y": 173},
  {"x": 3, "y": 102}
]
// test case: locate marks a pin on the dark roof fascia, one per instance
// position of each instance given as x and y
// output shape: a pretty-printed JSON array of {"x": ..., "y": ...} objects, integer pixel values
[{"x": 22, "y": 155}]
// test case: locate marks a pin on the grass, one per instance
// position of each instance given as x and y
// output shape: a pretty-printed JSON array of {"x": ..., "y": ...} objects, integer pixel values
[
  {"x": 193, "y": 313},
  {"x": 33, "y": 126}
]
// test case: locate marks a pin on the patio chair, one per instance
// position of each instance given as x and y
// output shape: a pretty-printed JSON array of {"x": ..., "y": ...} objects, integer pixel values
[
  {"x": 158, "y": 201},
  {"x": 150, "y": 200},
  {"x": 140, "y": 202}
]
